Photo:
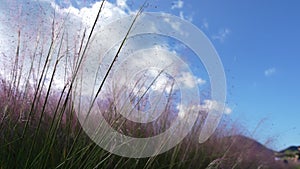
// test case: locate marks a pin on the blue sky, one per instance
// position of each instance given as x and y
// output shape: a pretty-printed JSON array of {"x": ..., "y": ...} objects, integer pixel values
[
  {"x": 258, "y": 43},
  {"x": 261, "y": 57}
]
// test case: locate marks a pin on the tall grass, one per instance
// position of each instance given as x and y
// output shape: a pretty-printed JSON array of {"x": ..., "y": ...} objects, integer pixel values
[{"x": 39, "y": 127}]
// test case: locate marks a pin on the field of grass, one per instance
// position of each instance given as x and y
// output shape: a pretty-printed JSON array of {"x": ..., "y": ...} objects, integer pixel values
[
  {"x": 39, "y": 127},
  {"x": 51, "y": 137}
]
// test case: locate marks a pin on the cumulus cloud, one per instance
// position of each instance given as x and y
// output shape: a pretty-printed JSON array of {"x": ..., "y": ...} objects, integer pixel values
[
  {"x": 188, "y": 80},
  {"x": 270, "y": 72},
  {"x": 177, "y": 4},
  {"x": 184, "y": 110},
  {"x": 206, "y": 106},
  {"x": 164, "y": 82},
  {"x": 121, "y": 3},
  {"x": 86, "y": 15},
  {"x": 34, "y": 21},
  {"x": 212, "y": 105},
  {"x": 152, "y": 80},
  {"x": 79, "y": 18}
]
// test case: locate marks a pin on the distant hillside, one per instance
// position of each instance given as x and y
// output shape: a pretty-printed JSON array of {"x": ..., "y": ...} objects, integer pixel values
[
  {"x": 251, "y": 149},
  {"x": 289, "y": 155},
  {"x": 291, "y": 149},
  {"x": 251, "y": 143},
  {"x": 251, "y": 146}
]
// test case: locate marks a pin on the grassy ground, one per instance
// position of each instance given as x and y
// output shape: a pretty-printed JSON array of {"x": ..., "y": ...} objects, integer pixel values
[{"x": 40, "y": 130}]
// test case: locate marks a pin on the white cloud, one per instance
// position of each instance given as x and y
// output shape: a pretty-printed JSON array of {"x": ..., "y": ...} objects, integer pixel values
[
  {"x": 177, "y": 4},
  {"x": 38, "y": 23},
  {"x": 78, "y": 19},
  {"x": 188, "y": 80},
  {"x": 270, "y": 71},
  {"x": 175, "y": 25},
  {"x": 122, "y": 3},
  {"x": 184, "y": 109},
  {"x": 184, "y": 17},
  {"x": 163, "y": 83},
  {"x": 207, "y": 106},
  {"x": 212, "y": 105},
  {"x": 87, "y": 15},
  {"x": 222, "y": 35}
]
